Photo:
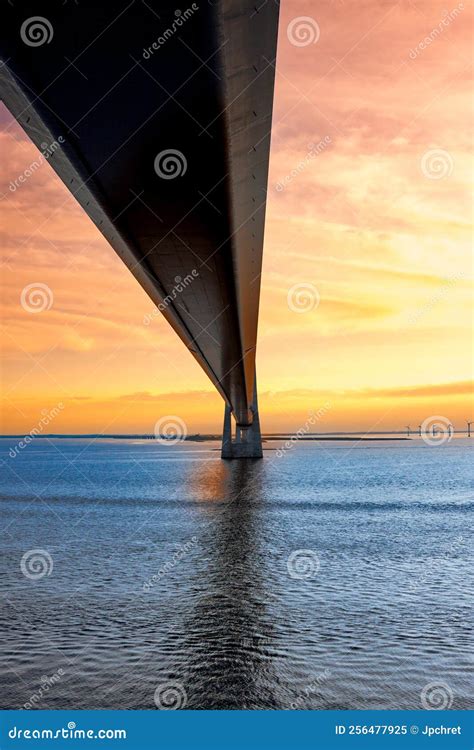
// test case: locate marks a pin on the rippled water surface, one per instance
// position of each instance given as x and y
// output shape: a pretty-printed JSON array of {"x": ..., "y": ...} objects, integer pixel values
[{"x": 336, "y": 576}]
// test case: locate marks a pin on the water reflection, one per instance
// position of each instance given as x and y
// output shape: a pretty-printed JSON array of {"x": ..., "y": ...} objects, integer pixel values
[
  {"x": 229, "y": 635},
  {"x": 221, "y": 614}
]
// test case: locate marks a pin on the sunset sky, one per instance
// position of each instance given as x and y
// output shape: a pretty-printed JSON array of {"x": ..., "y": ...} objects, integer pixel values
[{"x": 377, "y": 219}]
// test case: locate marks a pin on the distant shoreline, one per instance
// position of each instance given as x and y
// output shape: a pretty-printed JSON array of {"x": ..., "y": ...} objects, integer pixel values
[{"x": 208, "y": 438}]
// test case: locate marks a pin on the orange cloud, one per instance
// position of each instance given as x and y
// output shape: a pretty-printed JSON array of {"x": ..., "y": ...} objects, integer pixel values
[{"x": 365, "y": 219}]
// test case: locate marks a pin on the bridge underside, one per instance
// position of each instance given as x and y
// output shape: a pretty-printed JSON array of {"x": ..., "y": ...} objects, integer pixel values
[{"x": 163, "y": 122}]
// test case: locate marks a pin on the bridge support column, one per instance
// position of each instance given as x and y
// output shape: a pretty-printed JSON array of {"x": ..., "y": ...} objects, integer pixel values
[{"x": 248, "y": 439}]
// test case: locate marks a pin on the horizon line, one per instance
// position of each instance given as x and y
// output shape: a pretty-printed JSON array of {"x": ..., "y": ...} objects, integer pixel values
[{"x": 152, "y": 436}]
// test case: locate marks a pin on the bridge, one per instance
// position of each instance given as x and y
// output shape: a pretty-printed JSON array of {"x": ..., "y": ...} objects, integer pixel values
[{"x": 158, "y": 120}]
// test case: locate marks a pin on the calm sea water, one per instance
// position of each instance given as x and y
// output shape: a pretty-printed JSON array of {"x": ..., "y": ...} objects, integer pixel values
[{"x": 334, "y": 577}]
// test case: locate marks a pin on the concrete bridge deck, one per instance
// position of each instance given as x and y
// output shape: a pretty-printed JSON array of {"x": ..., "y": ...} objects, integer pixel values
[{"x": 163, "y": 117}]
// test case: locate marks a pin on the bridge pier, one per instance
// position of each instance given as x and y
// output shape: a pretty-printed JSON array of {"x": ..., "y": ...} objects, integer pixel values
[{"x": 247, "y": 442}]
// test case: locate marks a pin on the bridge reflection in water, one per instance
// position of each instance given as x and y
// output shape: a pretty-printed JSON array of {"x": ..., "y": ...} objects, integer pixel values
[{"x": 229, "y": 636}]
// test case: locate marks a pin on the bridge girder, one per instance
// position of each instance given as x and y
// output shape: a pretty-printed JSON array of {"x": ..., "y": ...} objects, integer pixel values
[{"x": 163, "y": 120}]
